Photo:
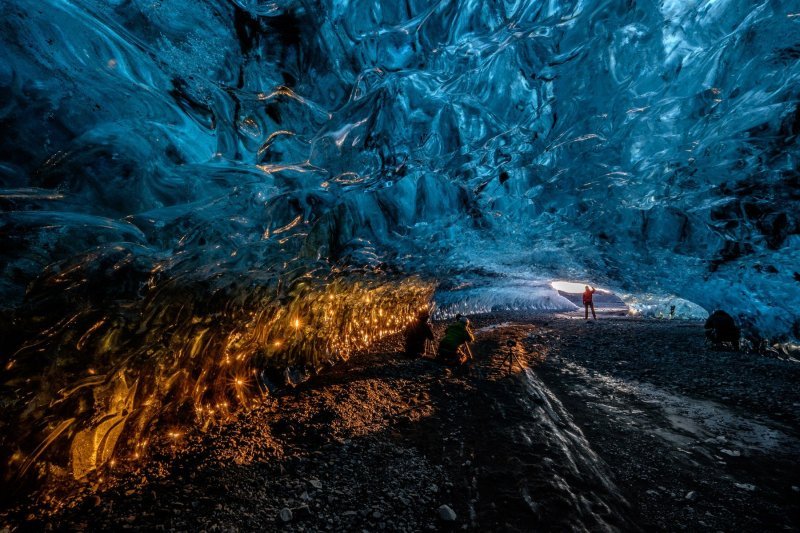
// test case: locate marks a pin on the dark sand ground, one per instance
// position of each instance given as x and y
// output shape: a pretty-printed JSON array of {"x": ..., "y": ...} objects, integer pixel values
[{"x": 616, "y": 424}]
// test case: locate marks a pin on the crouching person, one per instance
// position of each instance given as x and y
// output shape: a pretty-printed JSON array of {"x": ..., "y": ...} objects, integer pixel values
[
  {"x": 721, "y": 329},
  {"x": 418, "y": 334},
  {"x": 454, "y": 346}
]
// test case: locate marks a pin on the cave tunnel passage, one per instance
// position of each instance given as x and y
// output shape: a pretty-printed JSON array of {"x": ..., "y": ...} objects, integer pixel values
[
  {"x": 605, "y": 300},
  {"x": 209, "y": 187}
]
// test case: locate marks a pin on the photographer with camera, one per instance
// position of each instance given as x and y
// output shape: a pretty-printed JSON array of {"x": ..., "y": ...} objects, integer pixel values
[{"x": 454, "y": 346}]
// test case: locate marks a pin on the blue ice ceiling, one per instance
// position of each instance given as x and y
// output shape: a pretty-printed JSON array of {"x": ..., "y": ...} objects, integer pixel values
[{"x": 649, "y": 145}]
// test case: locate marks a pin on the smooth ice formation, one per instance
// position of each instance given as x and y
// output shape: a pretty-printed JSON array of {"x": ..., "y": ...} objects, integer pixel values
[
  {"x": 187, "y": 174},
  {"x": 513, "y": 295}
]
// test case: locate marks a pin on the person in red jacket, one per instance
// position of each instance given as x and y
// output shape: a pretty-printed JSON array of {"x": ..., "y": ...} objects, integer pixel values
[{"x": 587, "y": 302}]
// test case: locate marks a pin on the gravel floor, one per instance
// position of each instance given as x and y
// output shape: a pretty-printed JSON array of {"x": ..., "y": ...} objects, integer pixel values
[{"x": 618, "y": 424}]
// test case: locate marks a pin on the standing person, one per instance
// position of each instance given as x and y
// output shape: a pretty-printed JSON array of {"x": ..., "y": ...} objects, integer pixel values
[
  {"x": 454, "y": 346},
  {"x": 418, "y": 334},
  {"x": 587, "y": 302}
]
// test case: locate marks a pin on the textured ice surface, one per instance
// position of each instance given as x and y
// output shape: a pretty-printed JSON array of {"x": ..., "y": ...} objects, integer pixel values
[
  {"x": 168, "y": 168},
  {"x": 650, "y": 145}
]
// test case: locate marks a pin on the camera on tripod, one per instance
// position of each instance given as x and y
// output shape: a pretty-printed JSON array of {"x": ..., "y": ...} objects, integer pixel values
[{"x": 511, "y": 358}]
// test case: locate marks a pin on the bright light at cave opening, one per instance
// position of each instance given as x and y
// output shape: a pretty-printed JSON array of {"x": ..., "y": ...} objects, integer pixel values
[{"x": 570, "y": 286}]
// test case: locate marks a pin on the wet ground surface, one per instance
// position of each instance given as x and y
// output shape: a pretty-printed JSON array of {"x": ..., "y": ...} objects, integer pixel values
[
  {"x": 698, "y": 439},
  {"x": 615, "y": 424}
]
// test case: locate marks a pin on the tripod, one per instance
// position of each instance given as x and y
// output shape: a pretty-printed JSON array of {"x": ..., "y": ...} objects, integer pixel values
[
  {"x": 429, "y": 352},
  {"x": 511, "y": 357}
]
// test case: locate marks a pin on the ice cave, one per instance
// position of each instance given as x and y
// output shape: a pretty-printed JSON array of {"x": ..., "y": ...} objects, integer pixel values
[{"x": 202, "y": 201}]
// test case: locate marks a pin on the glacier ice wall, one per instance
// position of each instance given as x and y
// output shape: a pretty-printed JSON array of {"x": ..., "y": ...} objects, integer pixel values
[
  {"x": 221, "y": 153},
  {"x": 651, "y": 146}
]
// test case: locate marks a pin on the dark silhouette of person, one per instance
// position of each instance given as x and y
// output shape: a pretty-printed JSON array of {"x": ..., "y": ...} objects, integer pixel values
[
  {"x": 418, "y": 334},
  {"x": 721, "y": 328},
  {"x": 587, "y": 303},
  {"x": 454, "y": 346}
]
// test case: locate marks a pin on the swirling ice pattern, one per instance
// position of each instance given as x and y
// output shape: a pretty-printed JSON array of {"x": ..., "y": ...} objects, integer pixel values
[{"x": 181, "y": 180}]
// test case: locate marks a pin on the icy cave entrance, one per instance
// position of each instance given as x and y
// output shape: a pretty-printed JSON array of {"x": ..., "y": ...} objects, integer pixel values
[
  {"x": 479, "y": 296},
  {"x": 661, "y": 306},
  {"x": 605, "y": 301}
]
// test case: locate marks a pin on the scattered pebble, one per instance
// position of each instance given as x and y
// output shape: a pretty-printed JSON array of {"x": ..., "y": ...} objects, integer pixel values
[
  {"x": 732, "y": 453},
  {"x": 447, "y": 514}
]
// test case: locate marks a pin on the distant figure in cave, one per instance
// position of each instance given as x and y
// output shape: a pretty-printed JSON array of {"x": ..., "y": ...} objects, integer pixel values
[
  {"x": 587, "y": 302},
  {"x": 454, "y": 346},
  {"x": 721, "y": 329},
  {"x": 418, "y": 334}
]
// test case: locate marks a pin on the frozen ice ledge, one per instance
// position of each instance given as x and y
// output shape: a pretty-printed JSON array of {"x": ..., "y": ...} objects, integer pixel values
[{"x": 187, "y": 182}]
